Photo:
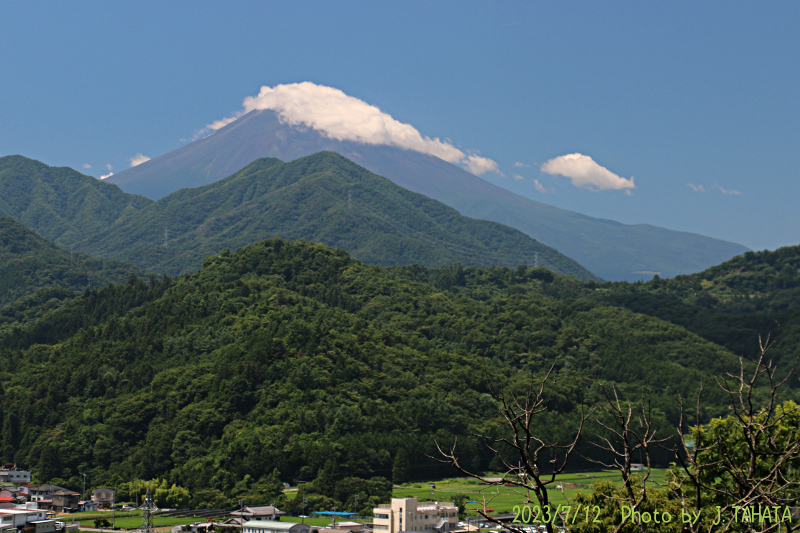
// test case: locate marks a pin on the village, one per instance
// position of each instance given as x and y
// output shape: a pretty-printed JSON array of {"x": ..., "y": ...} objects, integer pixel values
[{"x": 29, "y": 508}]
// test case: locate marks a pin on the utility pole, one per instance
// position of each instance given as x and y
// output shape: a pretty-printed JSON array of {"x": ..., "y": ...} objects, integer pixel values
[{"x": 83, "y": 495}]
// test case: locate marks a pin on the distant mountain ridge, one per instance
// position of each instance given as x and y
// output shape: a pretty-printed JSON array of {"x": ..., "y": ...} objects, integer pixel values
[
  {"x": 610, "y": 249},
  {"x": 323, "y": 197},
  {"x": 28, "y": 262}
]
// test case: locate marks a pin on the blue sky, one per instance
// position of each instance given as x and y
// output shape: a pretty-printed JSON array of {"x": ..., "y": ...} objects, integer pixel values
[{"x": 677, "y": 95}]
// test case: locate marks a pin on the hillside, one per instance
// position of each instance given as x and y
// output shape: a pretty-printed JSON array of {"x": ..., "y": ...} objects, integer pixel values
[
  {"x": 608, "y": 248},
  {"x": 730, "y": 304},
  {"x": 297, "y": 347},
  {"x": 29, "y": 263},
  {"x": 324, "y": 197},
  {"x": 59, "y": 203}
]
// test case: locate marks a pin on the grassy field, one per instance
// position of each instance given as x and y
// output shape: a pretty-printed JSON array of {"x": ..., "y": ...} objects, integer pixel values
[
  {"x": 126, "y": 520},
  {"x": 503, "y": 499}
]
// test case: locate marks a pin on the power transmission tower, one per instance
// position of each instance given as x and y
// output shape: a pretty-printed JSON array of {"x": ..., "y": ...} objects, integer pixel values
[
  {"x": 536, "y": 259},
  {"x": 166, "y": 237},
  {"x": 148, "y": 507},
  {"x": 349, "y": 199}
]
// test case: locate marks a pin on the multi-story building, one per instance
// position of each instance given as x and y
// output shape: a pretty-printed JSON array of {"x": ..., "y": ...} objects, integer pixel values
[
  {"x": 407, "y": 514},
  {"x": 103, "y": 497},
  {"x": 9, "y": 473}
]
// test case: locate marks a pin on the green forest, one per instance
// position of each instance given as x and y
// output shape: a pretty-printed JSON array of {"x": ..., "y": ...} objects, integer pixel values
[
  {"x": 292, "y": 361},
  {"x": 250, "y": 365}
]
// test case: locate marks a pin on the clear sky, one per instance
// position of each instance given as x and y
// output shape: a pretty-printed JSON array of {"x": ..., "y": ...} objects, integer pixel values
[{"x": 699, "y": 102}]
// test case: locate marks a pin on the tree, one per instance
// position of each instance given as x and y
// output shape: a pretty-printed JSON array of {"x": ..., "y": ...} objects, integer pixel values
[
  {"x": 749, "y": 459},
  {"x": 538, "y": 462},
  {"x": 401, "y": 468},
  {"x": 735, "y": 473},
  {"x": 626, "y": 434}
]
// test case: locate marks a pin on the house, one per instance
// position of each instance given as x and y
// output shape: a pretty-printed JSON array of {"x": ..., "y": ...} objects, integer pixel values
[
  {"x": 9, "y": 473},
  {"x": 262, "y": 512},
  {"x": 65, "y": 501},
  {"x": 407, "y": 514},
  {"x": 232, "y": 522},
  {"x": 274, "y": 526},
  {"x": 86, "y": 505},
  {"x": 42, "y": 492},
  {"x": 103, "y": 497}
]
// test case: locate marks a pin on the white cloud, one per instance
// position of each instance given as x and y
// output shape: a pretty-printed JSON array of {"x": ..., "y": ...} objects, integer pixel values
[
  {"x": 221, "y": 123},
  {"x": 138, "y": 159},
  {"x": 87, "y": 166},
  {"x": 520, "y": 165},
  {"x": 109, "y": 167},
  {"x": 697, "y": 188},
  {"x": 584, "y": 172},
  {"x": 539, "y": 187},
  {"x": 518, "y": 177},
  {"x": 725, "y": 191},
  {"x": 104, "y": 176},
  {"x": 480, "y": 165},
  {"x": 345, "y": 118}
]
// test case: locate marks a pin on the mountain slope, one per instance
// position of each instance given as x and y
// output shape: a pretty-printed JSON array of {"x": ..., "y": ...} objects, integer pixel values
[
  {"x": 609, "y": 249},
  {"x": 288, "y": 355},
  {"x": 29, "y": 263},
  {"x": 60, "y": 204},
  {"x": 323, "y": 197},
  {"x": 326, "y": 198},
  {"x": 730, "y": 304}
]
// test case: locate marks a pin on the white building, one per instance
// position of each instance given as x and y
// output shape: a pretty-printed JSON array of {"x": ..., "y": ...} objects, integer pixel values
[
  {"x": 9, "y": 473},
  {"x": 21, "y": 518},
  {"x": 407, "y": 514},
  {"x": 274, "y": 526}
]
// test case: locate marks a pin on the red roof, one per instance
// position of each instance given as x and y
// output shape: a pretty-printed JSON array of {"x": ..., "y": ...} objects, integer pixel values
[{"x": 6, "y": 498}]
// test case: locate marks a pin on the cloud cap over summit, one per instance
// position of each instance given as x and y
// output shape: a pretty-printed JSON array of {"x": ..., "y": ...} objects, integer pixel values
[{"x": 338, "y": 116}]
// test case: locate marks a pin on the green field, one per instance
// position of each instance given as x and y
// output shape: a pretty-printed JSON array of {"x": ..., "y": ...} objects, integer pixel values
[
  {"x": 502, "y": 498},
  {"x": 127, "y": 519}
]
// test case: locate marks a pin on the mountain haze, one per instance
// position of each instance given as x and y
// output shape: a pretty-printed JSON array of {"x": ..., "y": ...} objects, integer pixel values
[
  {"x": 323, "y": 197},
  {"x": 610, "y": 249}
]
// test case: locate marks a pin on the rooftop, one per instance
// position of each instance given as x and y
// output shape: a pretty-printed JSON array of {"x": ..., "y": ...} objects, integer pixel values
[{"x": 272, "y": 524}]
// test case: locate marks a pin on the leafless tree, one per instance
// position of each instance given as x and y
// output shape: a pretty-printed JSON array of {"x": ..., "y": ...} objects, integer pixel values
[
  {"x": 756, "y": 454},
  {"x": 534, "y": 470},
  {"x": 627, "y": 434}
]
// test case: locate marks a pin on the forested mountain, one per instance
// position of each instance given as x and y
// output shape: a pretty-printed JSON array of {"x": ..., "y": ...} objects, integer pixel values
[
  {"x": 323, "y": 197},
  {"x": 59, "y": 203},
  {"x": 33, "y": 267},
  {"x": 290, "y": 355},
  {"x": 730, "y": 304},
  {"x": 610, "y": 249}
]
